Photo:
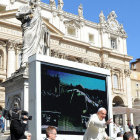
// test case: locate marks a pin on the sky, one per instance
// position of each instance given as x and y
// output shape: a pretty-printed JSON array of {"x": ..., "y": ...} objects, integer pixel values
[
  {"x": 127, "y": 11},
  {"x": 74, "y": 79}
]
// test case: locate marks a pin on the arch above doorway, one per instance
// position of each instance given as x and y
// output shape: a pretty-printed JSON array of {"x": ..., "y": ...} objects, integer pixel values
[{"x": 118, "y": 101}]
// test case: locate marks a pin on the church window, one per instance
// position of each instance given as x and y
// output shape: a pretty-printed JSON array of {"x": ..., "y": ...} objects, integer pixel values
[
  {"x": 134, "y": 66},
  {"x": 91, "y": 38},
  {"x": 137, "y": 94},
  {"x": 115, "y": 81},
  {"x": 71, "y": 31},
  {"x": 113, "y": 43}
]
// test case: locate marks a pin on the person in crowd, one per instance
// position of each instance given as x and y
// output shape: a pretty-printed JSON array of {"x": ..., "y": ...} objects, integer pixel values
[
  {"x": 96, "y": 126},
  {"x": 28, "y": 135},
  {"x": 130, "y": 126},
  {"x": 138, "y": 131},
  {"x": 2, "y": 123},
  {"x": 17, "y": 129},
  {"x": 51, "y": 133},
  {"x": 119, "y": 134},
  {"x": 126, "y": 128},
  {"x": 116, "y": 129},
  {"x": 128, "y": 136}
]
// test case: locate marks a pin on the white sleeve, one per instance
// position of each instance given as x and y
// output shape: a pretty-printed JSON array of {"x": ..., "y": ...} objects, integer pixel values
[
  {"x": 95, "y": 121},
  {"x": 100, "y": 124}
]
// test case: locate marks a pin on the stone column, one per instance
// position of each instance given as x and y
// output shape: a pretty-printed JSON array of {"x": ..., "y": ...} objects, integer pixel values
[
  {"x": 18, "y": 56},
  {"x": 26, "y": 95},
  {"x": 128, "y": 92},
  {"x": 11, "y": 58}
]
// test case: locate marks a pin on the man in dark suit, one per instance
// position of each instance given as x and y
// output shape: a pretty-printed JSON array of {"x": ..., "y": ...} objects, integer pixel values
[
  {"x": 51, "y": 133},
  {"x": 17, "y": 129},
  {"x": 138, "y": 131}
]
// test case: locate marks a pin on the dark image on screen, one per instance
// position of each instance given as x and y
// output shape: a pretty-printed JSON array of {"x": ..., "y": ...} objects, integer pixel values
[{"x": 69, "y": 97}]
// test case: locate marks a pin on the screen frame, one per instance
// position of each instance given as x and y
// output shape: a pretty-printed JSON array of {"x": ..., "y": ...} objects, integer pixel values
[
  {"x": 35, "y": 62},
  {"x": 75, "y": 72}
]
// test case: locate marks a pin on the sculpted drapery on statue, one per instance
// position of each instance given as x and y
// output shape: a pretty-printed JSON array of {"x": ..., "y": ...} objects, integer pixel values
[{"x": 36, "y": 36}]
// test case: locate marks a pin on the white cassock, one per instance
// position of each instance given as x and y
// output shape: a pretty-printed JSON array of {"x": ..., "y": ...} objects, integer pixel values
[{"x": 95, "y": 129}]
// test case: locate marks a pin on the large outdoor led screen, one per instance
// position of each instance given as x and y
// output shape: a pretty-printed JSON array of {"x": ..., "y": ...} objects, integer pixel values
[{"x": 69, "y": 96}]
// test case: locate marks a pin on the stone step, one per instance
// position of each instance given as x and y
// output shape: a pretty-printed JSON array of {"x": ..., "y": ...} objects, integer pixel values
[{"x": 4, "y": 137}]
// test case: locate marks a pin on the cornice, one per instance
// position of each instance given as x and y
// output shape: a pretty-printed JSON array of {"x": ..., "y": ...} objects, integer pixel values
[
  {"x": 122, "y": 56},
  {"x": 17, "y": 76},
  {"x": 94, "y": 48},
  {"x": 56, "y": 35},
  {"x": 135, "y": 80},
  {"x": 9, "y": 24},
  {"x": 23, "y": 1},
  {"x": 5, "y": 14},
  {"x": 107, "y": 50},
  {"x": 5, "y": 36},
  {"x": 69, "y": 16},
  {"x": 77, "y": 42},
  {"x": 115, "y": 33},
  {"x": 80, "y": 43},
  {"x": 91, "y": 24},
  {"x": 52, "y": 28}
]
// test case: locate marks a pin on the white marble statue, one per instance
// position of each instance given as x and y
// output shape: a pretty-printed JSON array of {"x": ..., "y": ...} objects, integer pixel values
[
  {"x": 102, "y": 18},
  {"x": 80, "y": 10},
  {"x": 35, "y": 33},
  {"x": 60, "y": 4},
  {"x": 52, "y": 3},
  {"x": 112, "y": 15},
  {"x": 122, "y": 29},
  {"x": 12, "y": 1}
]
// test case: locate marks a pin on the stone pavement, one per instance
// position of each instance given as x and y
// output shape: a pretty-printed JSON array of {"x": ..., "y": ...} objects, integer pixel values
[{"x": 4, "y": 136}]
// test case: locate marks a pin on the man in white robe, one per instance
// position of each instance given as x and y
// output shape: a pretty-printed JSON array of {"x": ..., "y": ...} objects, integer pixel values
[{"x": 96, "y": 126}]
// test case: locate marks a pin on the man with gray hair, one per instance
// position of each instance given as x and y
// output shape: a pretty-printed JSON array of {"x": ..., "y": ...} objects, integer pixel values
[{"x": 96, "y": 126}]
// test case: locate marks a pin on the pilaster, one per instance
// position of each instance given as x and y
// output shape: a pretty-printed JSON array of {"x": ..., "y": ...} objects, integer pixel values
[
  {"x": 128, "y": 91},
  {"x": 11, "y": 57}
]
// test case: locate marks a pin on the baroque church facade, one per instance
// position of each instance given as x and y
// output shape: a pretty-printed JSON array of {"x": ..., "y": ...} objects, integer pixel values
[{"x": 73, "y": 38}]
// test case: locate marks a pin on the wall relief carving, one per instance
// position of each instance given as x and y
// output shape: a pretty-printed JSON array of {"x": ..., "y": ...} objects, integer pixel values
[
  {"x": 13, "y": 100},
  {"x": 58, "y": 54},
  {"x": 111, "y": 24},
  {"x": 127, "y": 72}
]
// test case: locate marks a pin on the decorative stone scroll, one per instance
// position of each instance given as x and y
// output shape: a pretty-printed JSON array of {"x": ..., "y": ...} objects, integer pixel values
[
  {"x": 111, "y": 24},
  {"x": 127, "y": 72}
]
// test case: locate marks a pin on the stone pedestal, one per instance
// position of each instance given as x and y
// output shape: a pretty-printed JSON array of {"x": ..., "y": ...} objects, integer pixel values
[{"x": 16, "y": 90}]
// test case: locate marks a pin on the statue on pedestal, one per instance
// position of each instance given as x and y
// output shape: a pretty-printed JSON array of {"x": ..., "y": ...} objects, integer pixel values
[
  {"x": 60, "y": 4},
  {"x": 52, "y": 3},
  {"x": 35, "y": 33},
  {"x": 80, "y": 10},
  {"x": 12, "y": 1},
  {"x": 102, "y": 18}
]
